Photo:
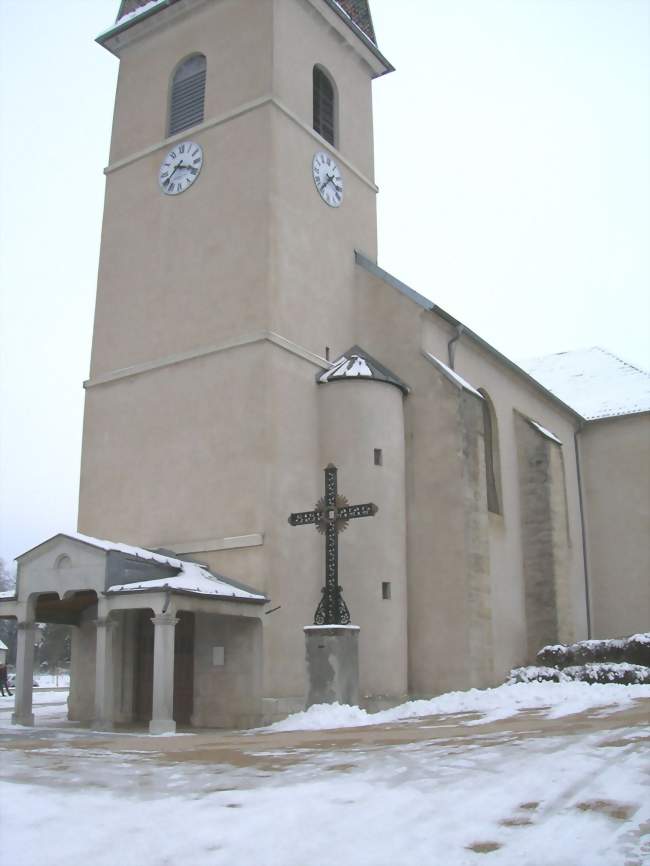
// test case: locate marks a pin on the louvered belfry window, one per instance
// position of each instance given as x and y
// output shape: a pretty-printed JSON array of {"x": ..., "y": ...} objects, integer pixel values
[
  {"x": 324, "y": 106},
  {"x": 188, "y": 94}
]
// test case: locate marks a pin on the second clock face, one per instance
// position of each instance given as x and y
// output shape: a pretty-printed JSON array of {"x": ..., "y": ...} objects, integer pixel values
[
  {"x": 180, "y": 168},
  {"x": 328, "y": 179}
]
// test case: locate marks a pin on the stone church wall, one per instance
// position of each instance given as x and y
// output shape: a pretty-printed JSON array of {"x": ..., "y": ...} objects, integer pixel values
[
  {"x": 357, "y": 417},
  {"x": 227, "y": 672},
  {"x": 615, "y": 458},
  {"x": 545, "y": 539}
]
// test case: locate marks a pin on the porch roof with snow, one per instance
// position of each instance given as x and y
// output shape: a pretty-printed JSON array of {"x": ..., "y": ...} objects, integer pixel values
[{"x": 128, "y": 569}]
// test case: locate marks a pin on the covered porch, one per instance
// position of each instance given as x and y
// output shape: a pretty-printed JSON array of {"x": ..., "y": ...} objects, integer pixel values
[{"x": 155, "y": 639}]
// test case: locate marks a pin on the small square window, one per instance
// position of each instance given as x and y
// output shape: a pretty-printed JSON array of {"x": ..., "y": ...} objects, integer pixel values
[
  {"x": 379, "y": 457},
  {"x": 385, "y": 590}
]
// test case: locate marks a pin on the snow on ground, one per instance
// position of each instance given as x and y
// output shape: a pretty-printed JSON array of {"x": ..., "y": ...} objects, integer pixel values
[
  {"x": 500, "y": 703},
  {"x": 551, "y": 793}
]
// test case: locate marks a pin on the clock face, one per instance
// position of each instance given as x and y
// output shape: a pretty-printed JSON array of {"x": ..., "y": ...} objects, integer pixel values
[
  {"x": 180, "y": 168},
  {"x": 328, "y": 179}
]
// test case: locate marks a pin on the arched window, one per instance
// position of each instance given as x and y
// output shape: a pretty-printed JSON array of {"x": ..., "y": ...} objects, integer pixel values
[
  {"x": 188, "y": 94},
  {"x": 324, "y": 105},
  {"x": 492, "y": 461}
]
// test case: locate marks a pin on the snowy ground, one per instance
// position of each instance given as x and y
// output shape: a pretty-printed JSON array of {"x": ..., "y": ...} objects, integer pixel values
[{"x": 521, "y": 776}]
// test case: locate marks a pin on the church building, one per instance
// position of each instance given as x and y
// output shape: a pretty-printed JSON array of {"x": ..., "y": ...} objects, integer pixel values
[{"x": 245, "y": 339}]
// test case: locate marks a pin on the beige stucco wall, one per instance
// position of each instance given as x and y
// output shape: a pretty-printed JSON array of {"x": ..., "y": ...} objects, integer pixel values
[
  {"x": 394, "y": 328},
  {"x": 545, "y": 548},
  {"x": 355, "y": 418},
  {"x": 209, "y": 447},
  {"x": 615, "y": 459},
  {"x": 227, "y": 696},
  {"x": 229, "y": 439}
]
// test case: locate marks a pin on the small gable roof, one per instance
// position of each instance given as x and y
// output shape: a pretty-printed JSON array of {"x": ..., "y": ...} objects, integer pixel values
[
  {"x": 357, "y": 364},
  {"x": 594, "y": 382},
  {"x": 189, "y": 578}
]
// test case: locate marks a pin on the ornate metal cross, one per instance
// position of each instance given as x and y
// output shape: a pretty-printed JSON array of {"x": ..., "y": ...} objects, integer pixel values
[{"x": 331, "y": 515}]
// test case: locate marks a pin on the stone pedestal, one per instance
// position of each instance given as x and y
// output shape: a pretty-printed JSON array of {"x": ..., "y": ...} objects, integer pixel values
[{"x": 332, "y": 655}]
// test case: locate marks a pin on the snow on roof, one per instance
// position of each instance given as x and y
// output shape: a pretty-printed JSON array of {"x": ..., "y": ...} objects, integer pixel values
[
  {"x": 3, "y": 646},
  {"x": 196, "y": 580},
  {"x": 594, "y": 382},
  {"x": 452, "y": 375},
  {"x": 193, "y": 576},
  {"x": 137, "y": 7}
]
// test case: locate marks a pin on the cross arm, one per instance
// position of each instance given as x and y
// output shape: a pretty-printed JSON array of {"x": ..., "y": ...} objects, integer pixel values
[
  {"x": 349, "y": 512},
  {"x": 303, "y": 518}
]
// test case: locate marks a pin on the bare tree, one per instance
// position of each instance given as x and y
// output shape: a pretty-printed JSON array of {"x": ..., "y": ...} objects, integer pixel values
[{"x": 8, "y": 626}]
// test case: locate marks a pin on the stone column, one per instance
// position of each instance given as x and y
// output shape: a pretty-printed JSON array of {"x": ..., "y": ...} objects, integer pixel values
[
  {"x": 104, "y": 675},
  {"x": 162, "y": 716},
  {"x": 23, "y": 714}
]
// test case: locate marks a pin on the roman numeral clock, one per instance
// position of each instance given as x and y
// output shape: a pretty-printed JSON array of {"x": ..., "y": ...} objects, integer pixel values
[
  {"x": 180, "y": 168},
  {"x": 328, "y": 179}
]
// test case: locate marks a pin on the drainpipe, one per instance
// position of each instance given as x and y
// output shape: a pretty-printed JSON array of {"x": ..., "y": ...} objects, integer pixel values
[
  {"x": 451, "y": 348},
  {"x": 582, "y": 527}
]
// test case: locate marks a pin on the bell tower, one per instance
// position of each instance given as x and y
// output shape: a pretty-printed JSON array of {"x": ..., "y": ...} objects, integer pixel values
[{"x": 224, "y": 274}]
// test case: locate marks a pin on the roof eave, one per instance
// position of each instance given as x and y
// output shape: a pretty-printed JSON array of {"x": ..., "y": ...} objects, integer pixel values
[
  {"x": 429, "y": 306},
  {"x": 179, "y": 591}
]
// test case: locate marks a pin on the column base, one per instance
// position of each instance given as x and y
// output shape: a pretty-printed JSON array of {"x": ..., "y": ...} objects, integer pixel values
[
  {"x": 102, "y": 725},
  {"x": 162, "y": 726},
  {"x": 26, "y": 721}
]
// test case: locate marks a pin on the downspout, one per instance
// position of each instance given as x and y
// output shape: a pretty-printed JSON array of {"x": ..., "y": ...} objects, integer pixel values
[
  {"x": 451, "y": 348},
  {"x": 582, "y": 527}
]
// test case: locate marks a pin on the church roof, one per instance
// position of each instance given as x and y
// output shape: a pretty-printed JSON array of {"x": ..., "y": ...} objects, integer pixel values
[
  {"x": 358, "y": 364},
  {"x": 357, "y": 11},
  {"x": 594, "y": 382}
]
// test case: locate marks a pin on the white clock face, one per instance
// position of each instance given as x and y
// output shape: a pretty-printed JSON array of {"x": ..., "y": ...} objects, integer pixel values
[
  {"x": 180, "y": 168},
  {"x": 327, "y": 177}
]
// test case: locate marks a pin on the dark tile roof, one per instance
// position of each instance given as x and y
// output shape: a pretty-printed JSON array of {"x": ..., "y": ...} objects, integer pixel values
[{"x": 358, "y": 10}]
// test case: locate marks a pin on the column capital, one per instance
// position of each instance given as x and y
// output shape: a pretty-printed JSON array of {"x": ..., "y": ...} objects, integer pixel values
[{"x": 168, "y": 619}]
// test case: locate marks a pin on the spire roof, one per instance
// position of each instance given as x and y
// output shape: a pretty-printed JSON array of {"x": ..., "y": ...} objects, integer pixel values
[{"x": 358, "y": 11}]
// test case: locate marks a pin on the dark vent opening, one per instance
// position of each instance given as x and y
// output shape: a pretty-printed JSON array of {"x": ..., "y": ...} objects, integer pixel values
[{"x": 324, "y": 107}]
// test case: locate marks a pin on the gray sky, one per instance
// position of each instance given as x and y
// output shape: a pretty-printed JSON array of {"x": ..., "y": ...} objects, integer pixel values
[{"x": 512, "y": 157}]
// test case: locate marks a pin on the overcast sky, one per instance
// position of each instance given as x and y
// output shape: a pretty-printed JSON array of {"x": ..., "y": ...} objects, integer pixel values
[{"x": 511, "y": 155}]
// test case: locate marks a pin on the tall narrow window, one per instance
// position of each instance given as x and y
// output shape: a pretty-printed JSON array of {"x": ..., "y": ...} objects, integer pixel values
[
  {"x": 188, "y": 94},
  {"x": 324, "y": 106},
  {"x": 492, "y": 462}
]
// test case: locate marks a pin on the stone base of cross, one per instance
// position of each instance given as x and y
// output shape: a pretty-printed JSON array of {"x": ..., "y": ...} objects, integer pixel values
[{"x": 331, "y": 516}]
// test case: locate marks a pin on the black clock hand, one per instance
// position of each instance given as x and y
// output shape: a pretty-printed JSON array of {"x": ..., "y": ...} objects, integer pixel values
[
  {"x": 166, "y": 183},
  {"x": 329, "y": 180}
]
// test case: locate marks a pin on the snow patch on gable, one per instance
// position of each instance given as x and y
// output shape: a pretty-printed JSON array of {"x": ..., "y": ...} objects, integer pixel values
[
  {"x": 352, "y": 366},
  {"x": 452, "y": 375},
  {"x": 545, "y": 433}
]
